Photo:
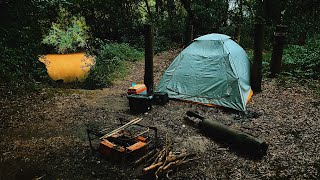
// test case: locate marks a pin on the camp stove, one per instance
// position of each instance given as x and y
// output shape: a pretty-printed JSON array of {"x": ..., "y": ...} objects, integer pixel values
[{"x": 127, "y": 142}]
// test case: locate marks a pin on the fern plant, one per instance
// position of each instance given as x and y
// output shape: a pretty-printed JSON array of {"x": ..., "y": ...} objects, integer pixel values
[{"x": 68, "y": 34}]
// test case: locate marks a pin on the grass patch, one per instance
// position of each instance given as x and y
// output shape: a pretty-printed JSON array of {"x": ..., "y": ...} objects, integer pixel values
[{"x": 49, "y": 93}]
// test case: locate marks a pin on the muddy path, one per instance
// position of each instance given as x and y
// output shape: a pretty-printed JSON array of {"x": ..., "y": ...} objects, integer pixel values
[{"x": 44, "y": 135}]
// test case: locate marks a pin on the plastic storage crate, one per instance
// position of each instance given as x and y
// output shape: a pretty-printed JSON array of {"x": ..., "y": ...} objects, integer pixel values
[{"x": 139, "y": 103}]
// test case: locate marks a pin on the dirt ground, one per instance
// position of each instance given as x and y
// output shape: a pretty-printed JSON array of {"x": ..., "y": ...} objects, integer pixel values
[{"x": 44, "y": 136}]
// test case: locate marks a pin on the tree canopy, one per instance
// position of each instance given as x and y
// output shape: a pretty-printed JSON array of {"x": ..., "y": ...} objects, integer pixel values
[{"x": 26, "y": 23}]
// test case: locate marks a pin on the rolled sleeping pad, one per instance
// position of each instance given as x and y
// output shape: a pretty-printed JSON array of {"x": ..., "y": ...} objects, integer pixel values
[{"x": 238, "y": 140}]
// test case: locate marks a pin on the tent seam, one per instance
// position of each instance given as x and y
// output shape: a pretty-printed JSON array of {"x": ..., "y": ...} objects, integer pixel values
[{"x": 236, "y": 73}]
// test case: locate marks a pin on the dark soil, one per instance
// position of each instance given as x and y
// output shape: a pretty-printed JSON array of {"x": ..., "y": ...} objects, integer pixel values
[{"x": 43, "y": 135}]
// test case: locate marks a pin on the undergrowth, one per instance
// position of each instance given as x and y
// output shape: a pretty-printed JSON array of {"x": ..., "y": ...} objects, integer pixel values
[
  {"x": 110, "y": 63},
  {"x": 300, "y": 64},
  {"x": 297, "y": 61},
  {"x": 303, "y": 61},
  {"x": 20, "y": 69}
]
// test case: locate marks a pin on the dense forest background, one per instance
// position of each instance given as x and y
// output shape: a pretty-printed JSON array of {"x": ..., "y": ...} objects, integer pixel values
[{"x": 116, "y": 26}]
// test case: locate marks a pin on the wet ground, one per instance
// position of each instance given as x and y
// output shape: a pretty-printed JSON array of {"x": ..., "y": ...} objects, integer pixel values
[{"x": 43, "y": 135}]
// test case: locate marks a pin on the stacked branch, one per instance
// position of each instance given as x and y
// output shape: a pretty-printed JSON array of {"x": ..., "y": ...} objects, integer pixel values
[
  {"x": 165, "y": 161},
  {"x": 134, "y": 121}
]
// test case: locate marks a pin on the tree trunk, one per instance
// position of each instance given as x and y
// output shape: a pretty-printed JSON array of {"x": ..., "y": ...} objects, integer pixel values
[
  {"x": 148, "y": 9},
  {"x": 157, "y": 6},
  {"x": 238, "y": 26},
  {"x": 236, "y": 35},
  {"x": 187, "y": 6},
  {"x": 276, "y": 60},
  {"x": 148, "y": 73},
  {"x": 256, "y": 69},
  {"x": 171, "y": 8},
  {"x": 302, "y": 38},
  {"x": 189, "y": 34}
]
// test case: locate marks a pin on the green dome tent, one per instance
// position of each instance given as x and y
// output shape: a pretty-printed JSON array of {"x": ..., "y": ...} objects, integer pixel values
[{"x": 212, "y": 70}]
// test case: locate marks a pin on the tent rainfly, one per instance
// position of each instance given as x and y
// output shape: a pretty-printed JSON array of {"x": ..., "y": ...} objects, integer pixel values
[{"x": 212, "y": 70}]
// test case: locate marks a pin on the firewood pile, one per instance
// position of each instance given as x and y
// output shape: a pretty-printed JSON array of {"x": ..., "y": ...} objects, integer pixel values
[{"x": 164, "y": 161}]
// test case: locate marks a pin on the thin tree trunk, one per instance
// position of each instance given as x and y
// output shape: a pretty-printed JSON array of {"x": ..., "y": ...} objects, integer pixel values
[
  {"x": 149, "y": 43},
  {"x": 189, "y": 34},
  {"x": 239, "y": 23},
  {"x": 256, "y": 68},
  {"x": 187, "y": 6},
  {"x": 148, "y": 9},
  {"x": 277, "y": 52},
  {"x": 157, "y": 6},
  {"x": 171, "y": 7}
]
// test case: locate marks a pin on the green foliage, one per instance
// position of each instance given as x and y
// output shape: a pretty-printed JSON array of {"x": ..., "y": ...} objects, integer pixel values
[
  {"x": 266, "y": 57},
  {"x": 20, "y": 68},
  {"x": 209, "y": 16},
  {"x": 110, "y": 19},
  {"x": 162, "y": 43},
  {"x": 110, "y": 63},
  {"x": 303, "y": 61},
  {"x": 68, "y": 34},
  {"x": 302, "y": 16},
  {"x": 25, "y": 23},
  {"x": 121, "y": 51},
  {"x": 20, "y": 38},
  {"x": 298, "y": 61}
]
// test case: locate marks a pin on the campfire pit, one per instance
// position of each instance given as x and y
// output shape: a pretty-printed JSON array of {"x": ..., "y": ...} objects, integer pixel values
[{"x": 129, "y": 141}]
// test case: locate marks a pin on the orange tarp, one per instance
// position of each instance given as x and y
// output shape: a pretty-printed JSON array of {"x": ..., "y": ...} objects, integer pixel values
[{"x": 67, "y": 67}]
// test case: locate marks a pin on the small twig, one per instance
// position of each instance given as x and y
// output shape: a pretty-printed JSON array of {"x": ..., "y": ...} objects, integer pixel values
[
  {"x": 134, "y": 121},
  {"x": 38, "y": 178},
  {"x": 145, "y": 157},
  {"x": 166, "y": 147},
  {"x": 173, "y": 165},
  {"x": 163, "y": 154},
  {"x": 153, "y": 158},
  {"x": 159, "y": 155},
  {"x": 153, "y": 166}
]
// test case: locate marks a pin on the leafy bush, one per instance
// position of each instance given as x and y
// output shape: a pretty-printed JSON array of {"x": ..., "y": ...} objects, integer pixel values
[
  {"x": 20, "y": 39},
  {"x": 110, "y": 63},
  {"x": 297, "y": 61},
  {"x": 20, "y": 68},
  {"x": 68, "y": 34},
  {"x": 162, "y": 43},
  {"x": 303, "y": 61},
  {"x": 121, "y": 51}
]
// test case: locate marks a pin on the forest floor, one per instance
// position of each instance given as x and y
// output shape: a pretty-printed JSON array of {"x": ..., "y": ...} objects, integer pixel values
[{"x": 43, "y": 135}]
